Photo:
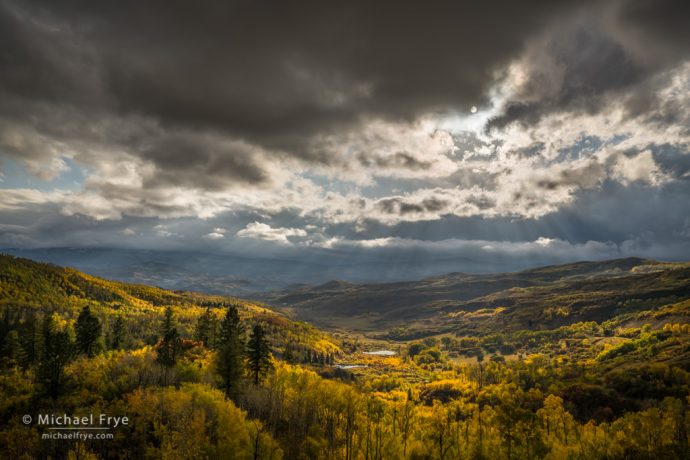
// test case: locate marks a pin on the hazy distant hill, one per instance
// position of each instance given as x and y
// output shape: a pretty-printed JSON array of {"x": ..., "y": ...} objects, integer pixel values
[
  {"x": 542, "y": 297},
  {"x": 180, "y": 270},
  {"x": 245, "y": 274}
]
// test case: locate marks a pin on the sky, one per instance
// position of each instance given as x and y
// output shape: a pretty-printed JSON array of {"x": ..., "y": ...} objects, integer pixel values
[{"x": 522, "y": 133}]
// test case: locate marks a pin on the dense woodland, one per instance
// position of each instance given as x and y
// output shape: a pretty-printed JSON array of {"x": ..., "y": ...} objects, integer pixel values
[{"x": 217, "y": 377}]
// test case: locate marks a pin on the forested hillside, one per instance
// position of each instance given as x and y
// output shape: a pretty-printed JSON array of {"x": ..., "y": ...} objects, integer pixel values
[
  {"x": 33, "y": 289},
  {"x": 457, "y": 302},
  {"x": 575, "y": 362}
]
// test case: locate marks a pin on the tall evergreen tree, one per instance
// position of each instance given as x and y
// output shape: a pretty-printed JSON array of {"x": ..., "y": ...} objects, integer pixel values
[
  {"x": 6, "y": 325},
  {"x": 288, "y": 355},
  {"x": 258, "y": 354},
  {"x": 88, "y": 329},
  {"x": 31, "y": 337},
  {"x": 55, "y": 354},
  {"x": 13, "y": 352},
  {"x": 169, "y": 346},
  {"x": 206, "y": 328},
  {"x": 230, "y": 357},
  {"x": 117, "y": 335}
]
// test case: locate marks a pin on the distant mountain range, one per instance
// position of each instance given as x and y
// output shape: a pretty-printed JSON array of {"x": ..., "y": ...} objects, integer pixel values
[
  {"x": 244, "y": 275},
  {"x": 180, "y": 270},
  {"x": 545, "y": 297}
]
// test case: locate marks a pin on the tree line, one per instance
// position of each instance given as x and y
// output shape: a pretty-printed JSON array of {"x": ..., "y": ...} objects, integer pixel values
[{"x": 43, "y": 344}]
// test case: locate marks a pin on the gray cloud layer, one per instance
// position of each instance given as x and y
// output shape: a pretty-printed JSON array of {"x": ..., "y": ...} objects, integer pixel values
[
  {"x": 273, "y": 77},
  {"x": 583, "y": 65},
  {"x": 347, "y": 126}
]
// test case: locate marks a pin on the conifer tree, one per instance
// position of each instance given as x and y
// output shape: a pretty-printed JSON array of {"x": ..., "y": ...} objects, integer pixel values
[
  {"x": 230, "y": 357},
  {"x": 288, "y": 355},
  {"x": 117, "y": 336},
  {"x": 55, "y": 354},
  {"x": 6, "y": 325},
  {"x": 88, "y": 329},
  {"x": 205, "y": 330},
  {"x": 31, "y": 338},
  {"x": 259, "y": 354},
  {"x": 12, "y": 351},
  {"x": 169, "y": 346}
]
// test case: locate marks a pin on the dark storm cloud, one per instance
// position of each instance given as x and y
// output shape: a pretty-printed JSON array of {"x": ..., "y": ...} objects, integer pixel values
[
  {"x": 574, "y": 72},
  {"x": 273, "y": 75},
  {"x": 617, "y": 51},
  {"x": 659, "y": 27},
  {"x": 264, "y": 71},
  {"x": 673, "y": 160},
  {"x": 281, "y": 76},
  {"x": 585, "y": 176},
  {"x": 398, "y": 160},
  {"x": 183, "y": 159},
  {"x": 402, "y": 206}
]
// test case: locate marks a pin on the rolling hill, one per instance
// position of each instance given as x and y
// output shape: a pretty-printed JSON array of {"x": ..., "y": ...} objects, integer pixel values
[
  {"x": 29, "y": 287},
  {"x": 542, "y": 298}
]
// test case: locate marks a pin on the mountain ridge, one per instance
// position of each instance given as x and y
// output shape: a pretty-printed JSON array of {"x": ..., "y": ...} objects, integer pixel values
[
  {"x": 600, "y": 284},
  {"x": 245, "y": 273}
]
